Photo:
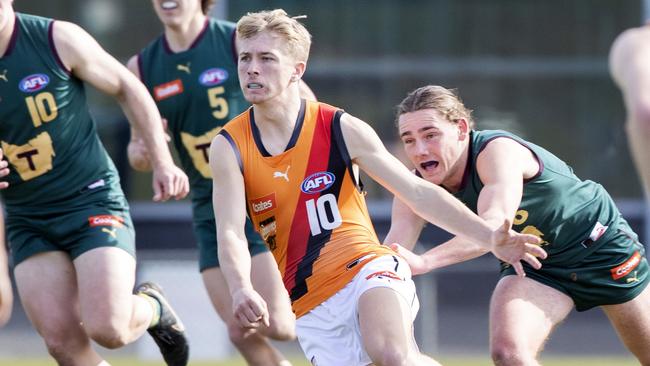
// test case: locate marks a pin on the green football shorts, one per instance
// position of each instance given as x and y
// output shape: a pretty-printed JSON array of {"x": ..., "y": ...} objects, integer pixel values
[
  {"x": 616, "y": 272},
  {"x": 106, "y": 223}
]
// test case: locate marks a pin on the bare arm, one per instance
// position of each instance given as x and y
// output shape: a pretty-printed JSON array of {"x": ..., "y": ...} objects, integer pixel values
[
  {"x": 229, "y": 201},
  {"x": 429, "y": 201},
  {"x": 85, "y": 58},
  {"x": 137, "y": 150},
  {"x": 405, "y": 226},
  {"x": 6, "y": 292},
  {"x": 628, "y": 61}
]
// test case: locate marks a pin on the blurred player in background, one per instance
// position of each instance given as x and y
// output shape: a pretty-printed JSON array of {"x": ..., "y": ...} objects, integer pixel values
[
  {"x": 68, "y": 222},
  {"x": 594, "y": 257},
  {"x": 629, "y": 62},
  {"x": 293, "y": 166},
  {"x": 191, "y": 71}
]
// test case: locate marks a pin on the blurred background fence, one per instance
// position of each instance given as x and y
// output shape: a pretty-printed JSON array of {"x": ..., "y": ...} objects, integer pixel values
[{"x": 537, "y": 68}]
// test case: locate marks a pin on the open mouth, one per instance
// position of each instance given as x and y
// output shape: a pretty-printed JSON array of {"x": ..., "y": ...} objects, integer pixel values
[
  {"x": 254, "y": 86},
  {"x": 169, "y": 5},
  {"x": 429, "y": 165}
]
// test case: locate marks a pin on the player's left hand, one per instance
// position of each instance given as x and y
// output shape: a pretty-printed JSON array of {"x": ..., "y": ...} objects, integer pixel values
[{"x": 512, "y": 247}]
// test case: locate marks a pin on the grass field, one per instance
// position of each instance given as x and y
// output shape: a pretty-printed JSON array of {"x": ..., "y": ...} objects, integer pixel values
[{"x": 447, "y": 361}]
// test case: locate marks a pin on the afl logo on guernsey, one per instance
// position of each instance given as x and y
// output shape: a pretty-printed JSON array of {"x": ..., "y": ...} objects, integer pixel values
[
  {"x": 317, "y": 182},
  {"x": 34, "y": 83},
  {"x": 212, "y": 77}
]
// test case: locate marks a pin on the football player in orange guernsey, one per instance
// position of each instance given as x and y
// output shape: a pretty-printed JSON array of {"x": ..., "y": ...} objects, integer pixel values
[{"x": 292, "y": 166}]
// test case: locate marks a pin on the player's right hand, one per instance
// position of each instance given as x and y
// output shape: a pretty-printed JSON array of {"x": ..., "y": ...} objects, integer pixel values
[
  {"x": 513, "y": 247},
  {"x": 169, "y": 181},
  {"x": 416, "y": 262},
  {"x": 249, "y": 309}
]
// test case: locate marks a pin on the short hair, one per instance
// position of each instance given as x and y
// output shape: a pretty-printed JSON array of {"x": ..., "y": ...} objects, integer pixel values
[
  {"x": 206, "y": 5},
  {"x": 445, "y": 101},
  {"x": 298, "y": 39}
]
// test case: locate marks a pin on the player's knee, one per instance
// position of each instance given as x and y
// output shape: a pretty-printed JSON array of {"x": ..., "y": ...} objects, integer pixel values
[
  {"x": 108, "y": 335},
  {"x": 506, "y": 354},
  {"x": 283, "y": 330},
  {"x": 391, "y": 356}
]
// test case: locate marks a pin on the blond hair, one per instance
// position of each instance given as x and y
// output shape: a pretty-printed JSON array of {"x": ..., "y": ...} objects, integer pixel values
[
  {"x": 445, "y": 101},
  {"x": 298, "y": 39}
]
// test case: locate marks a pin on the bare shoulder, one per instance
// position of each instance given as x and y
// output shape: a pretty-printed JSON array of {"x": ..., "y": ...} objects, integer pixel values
[{"x": 360, "y": 137}]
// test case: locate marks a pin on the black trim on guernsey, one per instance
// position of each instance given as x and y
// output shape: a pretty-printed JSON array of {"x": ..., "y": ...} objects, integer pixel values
[
  {"x": 294, "y": 135},
  {"x": 140, "y": 67},
  {"x": 235, "y": 150},
  {"x": 336, "y": 165},
  {"x": 55, "y": 53},
  {"x": 337, "y": 135}
]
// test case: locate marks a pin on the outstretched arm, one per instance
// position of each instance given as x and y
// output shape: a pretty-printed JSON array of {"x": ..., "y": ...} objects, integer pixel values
[
  {"x": 229, "y": 201},
  {"x": 432, "y": 202},
  {"x": 89, "y": 62},
  {"x": 629, "y": 58}
]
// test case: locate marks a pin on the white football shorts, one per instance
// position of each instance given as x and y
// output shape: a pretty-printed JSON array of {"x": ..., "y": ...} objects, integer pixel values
[{"x": 330, "y": 334}]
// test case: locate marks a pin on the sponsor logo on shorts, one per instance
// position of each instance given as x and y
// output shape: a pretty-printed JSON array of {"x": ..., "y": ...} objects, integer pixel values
[
  {"x": 627, "y": 267},
  {"x": 385, "y": 274},
  {"x": 212, "y": 77},
  {"x": 33, "y": 83},
  {"x": 166, "y": 90},
  {"x": 263, "y": 204},
  {"x": 105, "y": 220},
  {"x": 317, "y": 182}
]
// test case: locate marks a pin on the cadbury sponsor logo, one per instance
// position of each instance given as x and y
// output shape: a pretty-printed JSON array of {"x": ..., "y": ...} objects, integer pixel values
[
  {"x": 627, "y": 267},
  {"x": 167, "y": 90},
  {"x": 105, "y": 220},
  {"x": 263, "y": 204}
]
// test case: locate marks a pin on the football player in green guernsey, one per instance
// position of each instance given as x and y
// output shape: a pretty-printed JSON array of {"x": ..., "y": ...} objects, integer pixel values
[
  {"x": 67, "y": 220},
  {"x": 191, "y": 72},
  {"x": 594, "y": 258}
]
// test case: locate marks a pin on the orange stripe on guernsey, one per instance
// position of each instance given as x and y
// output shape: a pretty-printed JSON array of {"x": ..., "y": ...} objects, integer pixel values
[{"x": 306, "y": 205}]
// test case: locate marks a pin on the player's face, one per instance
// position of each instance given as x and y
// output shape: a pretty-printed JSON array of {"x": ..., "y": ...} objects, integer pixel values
[
  {"x": 265, "y": 68},
  {"x": 176, "y": 12},
  {"x": 434, "y": 145}
]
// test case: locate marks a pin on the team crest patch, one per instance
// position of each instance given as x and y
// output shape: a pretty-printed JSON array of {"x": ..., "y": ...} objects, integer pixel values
[
  {"x": 212, "y": 77},
  {"x": 105, "y": 220},
  {"x": 166, "y": 90},
  {"x": 627, "y": 267},
  {"x": 33, "y": 83},
  {"x": 263, "y": 204},
  {"x": 317, "y": 182}
]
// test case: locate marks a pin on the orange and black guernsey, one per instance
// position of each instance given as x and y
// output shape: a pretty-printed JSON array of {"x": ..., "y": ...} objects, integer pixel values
[{"x": 306, "y": 203}]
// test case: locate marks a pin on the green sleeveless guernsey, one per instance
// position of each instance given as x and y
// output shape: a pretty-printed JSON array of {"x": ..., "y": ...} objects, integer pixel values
[
  {"x": 46, "y": 131},
  {"x": 570, "y": 215},
  {"x": 197, "y": 91}
]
